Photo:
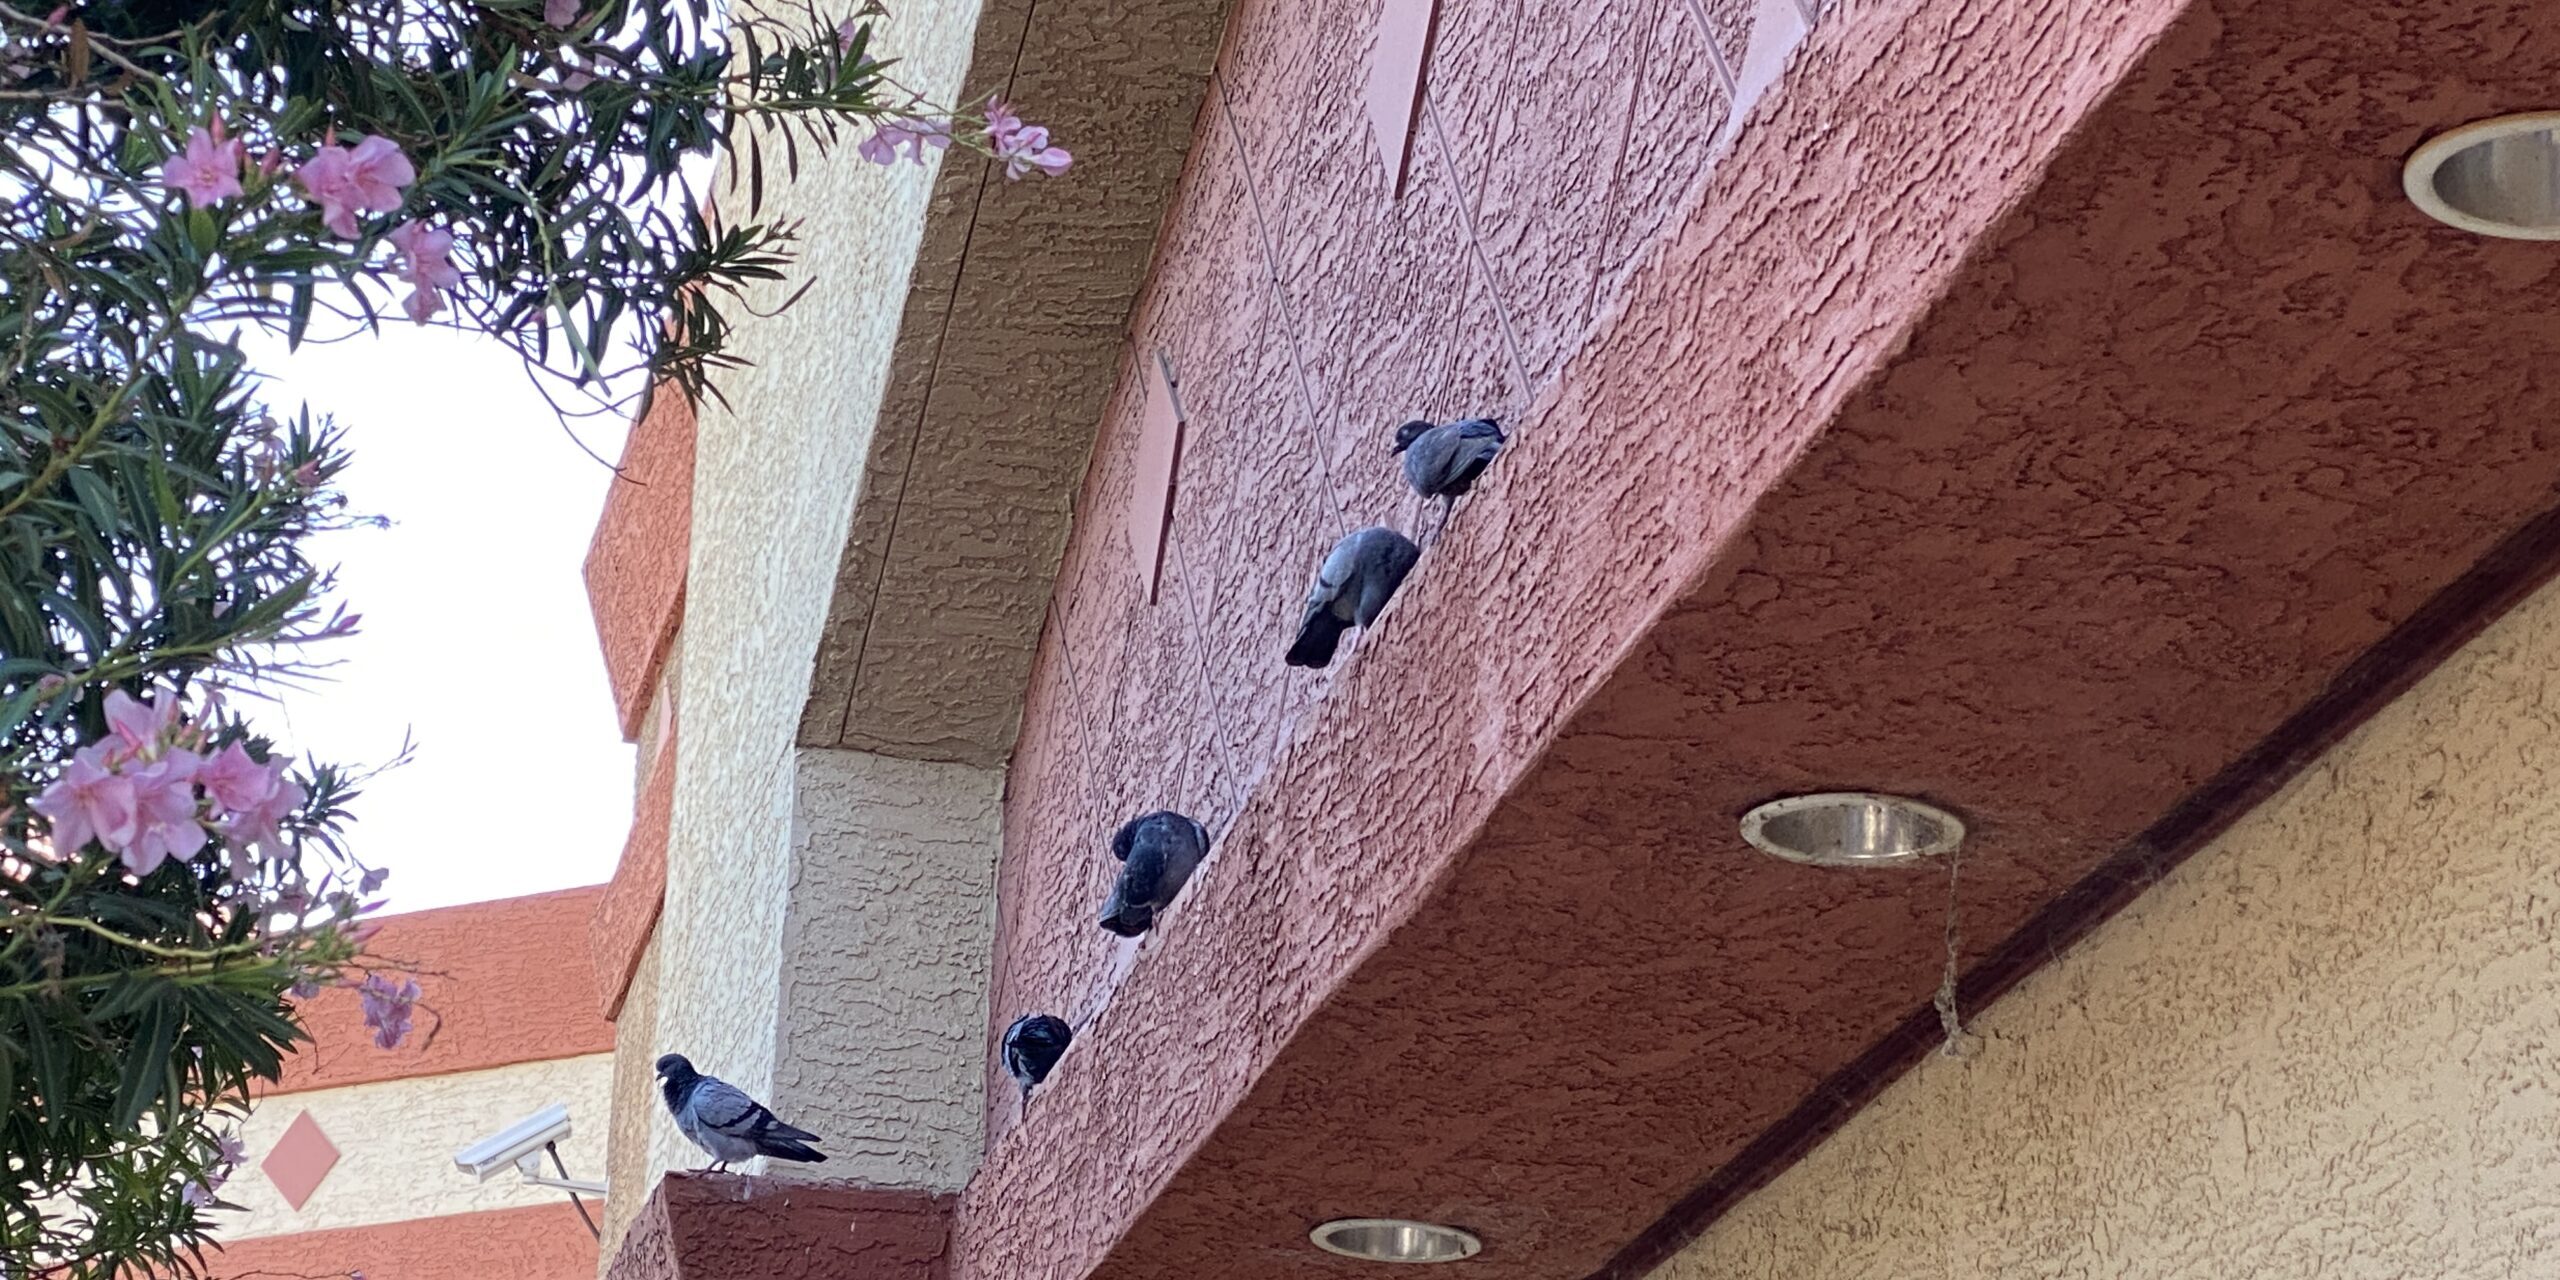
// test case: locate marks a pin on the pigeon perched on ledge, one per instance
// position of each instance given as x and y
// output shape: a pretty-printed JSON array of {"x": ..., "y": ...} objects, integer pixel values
[
  {"x": 725, "y": 1121},
  {"x": 1351, "y": 588},
  {"x": 1032, "y": 1047},
  {"x": 1157, "y": 852},
  {"x": 1443, "y": 461}
]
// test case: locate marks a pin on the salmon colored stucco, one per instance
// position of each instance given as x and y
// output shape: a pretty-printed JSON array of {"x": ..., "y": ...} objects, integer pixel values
[
  {"x": 2034, "y": 409},
  {"x": 502, "y": 982},
  {"x": 544, "y": 1243},
  {"x": 636, "y": 563},
  {"x": 627, "y": 911}
]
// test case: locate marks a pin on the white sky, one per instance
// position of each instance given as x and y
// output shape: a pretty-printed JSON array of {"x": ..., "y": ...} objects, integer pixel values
[{"x": 476, "y": 638}]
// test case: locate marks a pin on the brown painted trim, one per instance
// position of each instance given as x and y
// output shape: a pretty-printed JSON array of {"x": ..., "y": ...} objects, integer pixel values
[
  {"x": 635, "y": 568},
  {"x": 724, "y": 1226},
  {"x": 2514, "y": 570},
  {"x": 542, "y": 1242},
  {"x": 627, "y": 913}
]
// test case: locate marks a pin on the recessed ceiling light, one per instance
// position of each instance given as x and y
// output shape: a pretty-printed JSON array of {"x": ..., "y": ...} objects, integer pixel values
[
  {"x": 1851, "y": 829},
  {"x": 2495, "y": 178},
  {"x": 1394, "y": 1240}
]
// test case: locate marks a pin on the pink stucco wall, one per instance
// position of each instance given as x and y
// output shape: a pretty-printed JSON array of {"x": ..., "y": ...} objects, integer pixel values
[{"x": 1305, "y": 313}]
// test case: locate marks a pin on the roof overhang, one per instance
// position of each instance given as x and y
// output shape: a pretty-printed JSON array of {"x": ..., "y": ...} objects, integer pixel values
[
  {"x": 2050, "y": 410},
  {"x": 1013, "y": 335}
]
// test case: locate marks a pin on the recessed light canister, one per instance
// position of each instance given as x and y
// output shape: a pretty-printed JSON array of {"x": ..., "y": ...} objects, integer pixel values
[
  {"x": 1394, "y": 1240},
  {"x": 1852, "y": 829},
  {"x": 2494, "y": 178}
]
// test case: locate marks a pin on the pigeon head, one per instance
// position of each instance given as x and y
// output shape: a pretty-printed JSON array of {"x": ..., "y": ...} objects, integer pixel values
[
  {"x": 676, "y": 1067},
  {"x": 1408, "y": 433}
]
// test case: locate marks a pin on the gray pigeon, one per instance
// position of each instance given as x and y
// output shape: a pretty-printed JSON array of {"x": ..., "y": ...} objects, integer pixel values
[
  {"x": 1157, "y": 853},
  {"x": 725, "y": 1121},
  {"x": 1351, "y": 587},
  {"x": 1443, "y": 461},
  {"x": 1032, "y": 1046}
]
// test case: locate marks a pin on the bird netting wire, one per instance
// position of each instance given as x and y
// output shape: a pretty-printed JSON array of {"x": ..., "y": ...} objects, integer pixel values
[
  {"x": 1475, "y": 243},
  {"x": 1288, "y": 312},
  {"x": 1949, "y": 1020}
]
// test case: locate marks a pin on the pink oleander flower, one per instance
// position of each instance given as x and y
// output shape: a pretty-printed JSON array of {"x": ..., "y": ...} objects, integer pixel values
[
  {"x": 259, "y": 823},
  {"x": 366, "y": 177},
  {"x": 560, "y": 13},
  {"x": 387, "y": 1008},
  {"x": 140, "y": 727},
  {"x": 234, "y": 781},
  {"x": 88, "y": 802},
  {"x": 915, "y": 133},
  {"x": 373, "y": 879},
  {"x": 164, "y": 796},
  {"x": 228, "y": 1152},
  {"x": 1002, "y": 123},
  {"x": 1026, "y": 149},
  {"x": 208, "y": 170},
  {"x": 425, "y": 261},
  {"x": 846, "y": 32},
  {"x": 197, "y": 1195}
]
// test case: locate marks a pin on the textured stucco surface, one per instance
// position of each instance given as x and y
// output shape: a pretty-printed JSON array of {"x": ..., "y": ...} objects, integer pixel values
[
  {"x": 636, "y": 562},
  {"x": 718, "y": 1226},
  {"x": 771, "y": 496},
  {"x": 884, "y": 1003},
  {"x": 2036, "y": 406},
  {"x": 506, "y": 981},
  {"x": 630, "y": 1145},
  {"x": 542, "y": 1242},
  {"x": 626, "y": 914},
  {"x": 2322, "y": 1047},
  {"x": 1008, "y": 346},
  {"x": 396, "y": 1140}
]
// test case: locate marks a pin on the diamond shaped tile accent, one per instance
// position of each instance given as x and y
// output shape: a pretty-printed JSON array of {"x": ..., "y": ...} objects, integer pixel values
[{"x": 301, "y": 1158}]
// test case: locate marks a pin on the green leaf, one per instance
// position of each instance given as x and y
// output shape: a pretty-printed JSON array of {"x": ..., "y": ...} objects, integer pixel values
[{"x": 147, "y": 1064}]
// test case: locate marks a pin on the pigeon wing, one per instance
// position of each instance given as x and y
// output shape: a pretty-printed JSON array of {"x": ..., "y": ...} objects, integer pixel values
[
  {"x": 1142, "y": 877},
  {"x": 721, "y": 1107}
]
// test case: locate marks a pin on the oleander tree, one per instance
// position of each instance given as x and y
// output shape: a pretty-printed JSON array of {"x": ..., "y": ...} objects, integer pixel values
[{"x": 177, "y": 180}]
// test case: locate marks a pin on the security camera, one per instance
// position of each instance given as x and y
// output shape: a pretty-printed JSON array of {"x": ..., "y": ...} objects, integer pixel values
[{"x": 523, "y": 1141}]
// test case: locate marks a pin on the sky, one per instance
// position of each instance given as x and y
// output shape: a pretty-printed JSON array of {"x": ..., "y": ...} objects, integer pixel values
[{"x": 476, "y": 641}]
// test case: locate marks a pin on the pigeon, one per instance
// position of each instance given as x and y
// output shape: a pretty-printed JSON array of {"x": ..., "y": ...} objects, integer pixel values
[
  {"x": 1443, "y": 461},
  {"x": 1033, "y": 1045},
  {"x": 1157, "y": 853},
  {"x": 726, "y": 1122},
  {"x": 1351, "y": 587}
]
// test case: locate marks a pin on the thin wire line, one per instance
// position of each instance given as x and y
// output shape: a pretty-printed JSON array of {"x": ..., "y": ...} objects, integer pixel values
[
  {"x": 924, "y": 400},
  {"x": 1235, "y": 798},
  {"x": 1075, "y": 697},
  {"x": 1280, "y": 297},
  {"x": 1715, "y": 54},
  {"x": 1475, "y": 250}
]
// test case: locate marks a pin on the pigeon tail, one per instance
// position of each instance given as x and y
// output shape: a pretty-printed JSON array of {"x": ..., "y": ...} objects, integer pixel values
[
  {"x": 776, "y": 1147},
  {"x": 1317, "y": 640},
  {"x": 1129, "y": 920}
]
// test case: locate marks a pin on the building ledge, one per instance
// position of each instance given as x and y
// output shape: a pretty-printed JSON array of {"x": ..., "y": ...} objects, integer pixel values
[{"x": 721, "y": 1226}]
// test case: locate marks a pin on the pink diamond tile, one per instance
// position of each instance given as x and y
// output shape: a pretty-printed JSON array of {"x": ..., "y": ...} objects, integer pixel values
[{"x": 301, "y": 1158}]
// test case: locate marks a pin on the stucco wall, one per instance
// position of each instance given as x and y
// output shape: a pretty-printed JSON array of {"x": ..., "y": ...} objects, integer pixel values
[
  {"x": 884, "y": 1016},
  {"x": 506, "y": 981},
  {"x": 636, "y": 1113},
  {"x": 1305, "y": 313},
  {"x": 396, "y": 1140},
  {"x": 2322, "y": 1047},
  {"x": 770, "y": 503}
]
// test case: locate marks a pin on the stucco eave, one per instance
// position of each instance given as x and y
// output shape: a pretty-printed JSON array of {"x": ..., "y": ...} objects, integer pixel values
[{"x": 1008, "y": 345}]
